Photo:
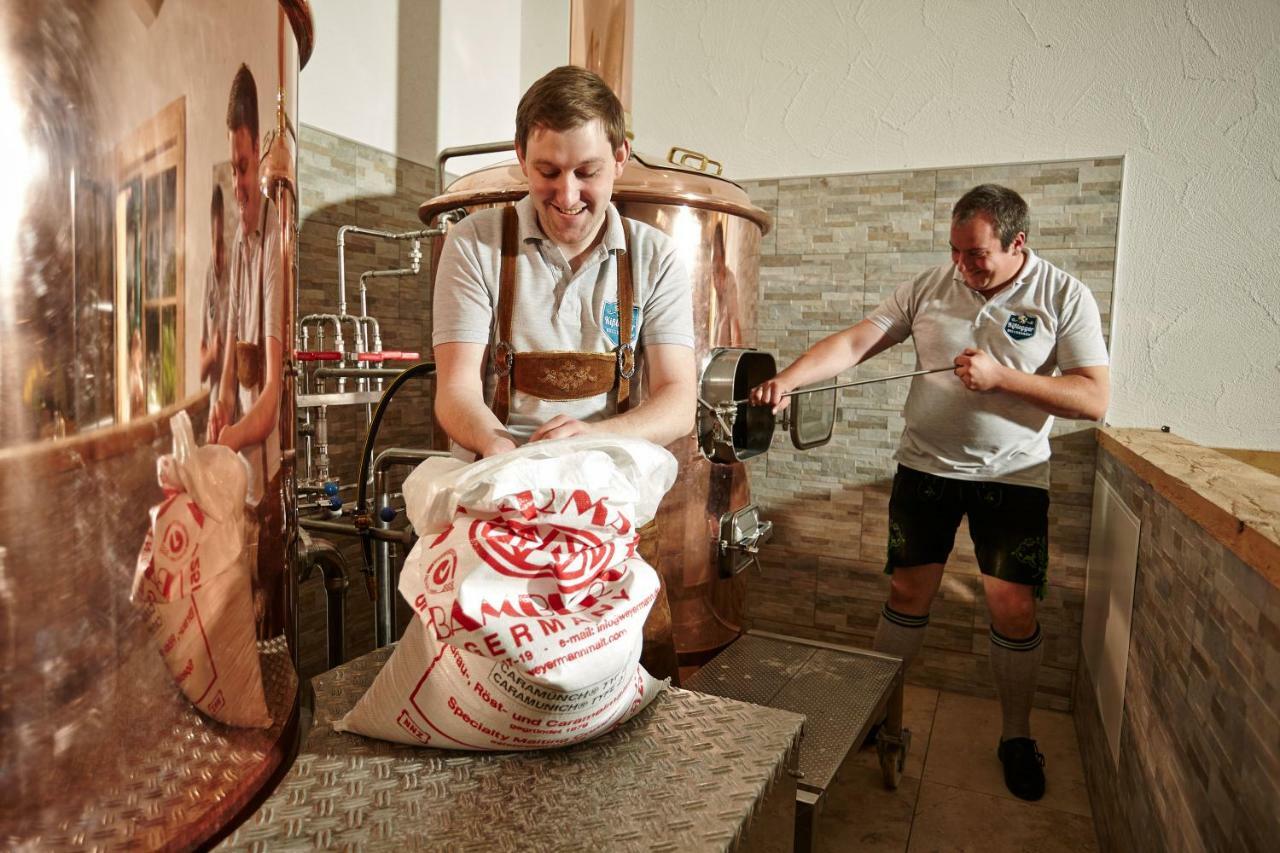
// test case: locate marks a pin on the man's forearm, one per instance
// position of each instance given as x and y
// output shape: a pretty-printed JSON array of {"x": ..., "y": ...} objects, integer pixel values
[
  {"x": 666, "y": 415},
  {"x": 835, "y": 354},
  {"x": 260, "y": 420},
  {"x": 1067, "y": 396},
  {"x": 226, "y": 380},
  {"x": 468, "y": 422}
]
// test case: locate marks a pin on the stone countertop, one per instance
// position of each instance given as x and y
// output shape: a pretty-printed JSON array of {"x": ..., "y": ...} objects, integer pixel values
[{"x": 1236, "y": 503}]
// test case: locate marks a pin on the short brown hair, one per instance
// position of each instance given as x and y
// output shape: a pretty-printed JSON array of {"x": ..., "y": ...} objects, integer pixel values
[
  {"x": 242, "y": 106},
  {"x": 569, "y": 97},
  {"x": 1006, "y": 209}
]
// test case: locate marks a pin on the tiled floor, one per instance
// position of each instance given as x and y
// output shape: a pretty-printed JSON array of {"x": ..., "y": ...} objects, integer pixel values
[{"x": 952, "y": 795}]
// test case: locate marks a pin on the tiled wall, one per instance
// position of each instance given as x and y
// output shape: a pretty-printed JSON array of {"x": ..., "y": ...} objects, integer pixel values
[
  {"x": 346, "y": 183},
  {"x": 1199, "y": 765},
  {"x": 840, "y": 245}
]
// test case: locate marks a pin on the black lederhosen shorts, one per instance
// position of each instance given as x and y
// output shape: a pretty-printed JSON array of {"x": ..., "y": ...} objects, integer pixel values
[{"x": 1009, "y": 525}]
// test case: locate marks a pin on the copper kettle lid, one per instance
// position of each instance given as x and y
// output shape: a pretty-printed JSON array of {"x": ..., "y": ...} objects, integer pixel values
[{"x": 645, "y": 180}]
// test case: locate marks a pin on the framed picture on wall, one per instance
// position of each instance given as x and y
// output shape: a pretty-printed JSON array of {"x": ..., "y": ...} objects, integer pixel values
[{"x": 150, "y": 253}]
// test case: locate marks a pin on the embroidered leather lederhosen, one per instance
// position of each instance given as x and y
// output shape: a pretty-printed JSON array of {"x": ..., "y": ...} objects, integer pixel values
[
  {"x": 558, "y": 374},
  {"x": 571, "y": 375}
]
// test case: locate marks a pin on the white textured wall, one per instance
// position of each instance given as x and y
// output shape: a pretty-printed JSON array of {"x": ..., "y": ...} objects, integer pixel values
[
  {"x": 479, "y": 76},
  {"x": 373, "y": 76},
  {"x": 1188, "y": 92},
  {"x": 544, "y": 38}
]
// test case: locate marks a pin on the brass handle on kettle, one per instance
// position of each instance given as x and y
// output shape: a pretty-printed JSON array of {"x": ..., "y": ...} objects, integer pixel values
[{"x": 695, "y": 160}]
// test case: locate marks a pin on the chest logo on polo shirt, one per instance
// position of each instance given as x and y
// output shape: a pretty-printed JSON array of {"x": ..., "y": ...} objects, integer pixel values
[
  {"x": 610, "y": 322},
  {"x": 1020, "y": 326}
]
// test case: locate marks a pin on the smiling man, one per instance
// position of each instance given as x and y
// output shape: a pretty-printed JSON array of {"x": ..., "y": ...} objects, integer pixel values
[
  {"x": 1026, "y": 342},
  {"x": 246, "y": 417},
  {"x": 556, "y": 296}
]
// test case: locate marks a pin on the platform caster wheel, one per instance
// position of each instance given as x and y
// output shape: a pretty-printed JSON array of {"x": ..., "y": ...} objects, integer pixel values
[{"x": 892, "y": 751}]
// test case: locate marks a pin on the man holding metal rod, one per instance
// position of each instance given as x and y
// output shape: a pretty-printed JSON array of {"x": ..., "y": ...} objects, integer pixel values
[{"x": 1025, "y": 341}]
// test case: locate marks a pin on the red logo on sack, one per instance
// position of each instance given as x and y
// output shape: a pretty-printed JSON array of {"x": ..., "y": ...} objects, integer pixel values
[
  {"x": 442, "y": 571},
  {"x": 573, "y": 558},
  {"x": 175, "y": 541}
]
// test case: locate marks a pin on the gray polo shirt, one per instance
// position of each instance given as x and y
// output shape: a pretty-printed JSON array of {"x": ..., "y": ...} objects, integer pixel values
[
  {"x": 255, "y": 312},
  {"x": 1043, "y": 322},
  {"x": 557, "y": 309}
]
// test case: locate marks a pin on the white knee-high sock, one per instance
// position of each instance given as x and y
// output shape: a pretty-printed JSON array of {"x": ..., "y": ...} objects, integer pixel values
[
  {"x": 1015, "y": 665},
  {"x": 899, "y": 634}
]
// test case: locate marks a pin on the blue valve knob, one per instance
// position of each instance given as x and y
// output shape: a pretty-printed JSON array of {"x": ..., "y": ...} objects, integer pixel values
[
  {"x": 331, "y": 488},
  {"x": 335, "y": 503},
  {"x": 387, "y": 514}
]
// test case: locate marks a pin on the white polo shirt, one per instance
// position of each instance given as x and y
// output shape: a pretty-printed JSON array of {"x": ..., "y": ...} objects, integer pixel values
[
  {"x": 556, "y": 307},
  {"x": 1045, "y": 321}
]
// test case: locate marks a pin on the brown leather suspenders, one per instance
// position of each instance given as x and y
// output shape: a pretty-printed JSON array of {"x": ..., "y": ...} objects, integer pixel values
[
  {"x": 558, "y": 374},
  {"x": 626, "y": 306},
  {"x": 503, "y": 354}
]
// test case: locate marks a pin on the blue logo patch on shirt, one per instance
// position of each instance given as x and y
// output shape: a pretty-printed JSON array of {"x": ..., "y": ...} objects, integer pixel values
[
  {"x": 1020, "y": 326},
  {"x": 610, "y": 322}
]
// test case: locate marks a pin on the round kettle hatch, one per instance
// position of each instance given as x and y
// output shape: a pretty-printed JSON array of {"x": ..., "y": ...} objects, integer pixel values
[
  {"x": 727, "y": 432},
  {"x": 730, "y": 430}
]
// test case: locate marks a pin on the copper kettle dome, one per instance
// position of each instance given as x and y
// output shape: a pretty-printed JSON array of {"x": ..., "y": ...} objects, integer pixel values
[{"x": 645, "y": 179}]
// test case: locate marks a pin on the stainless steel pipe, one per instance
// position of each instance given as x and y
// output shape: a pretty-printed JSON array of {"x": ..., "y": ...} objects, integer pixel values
[{"x": 385, "y": 629}]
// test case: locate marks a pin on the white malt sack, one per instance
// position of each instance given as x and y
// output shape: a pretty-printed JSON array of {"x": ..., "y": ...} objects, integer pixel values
[
  {"x": 530, "y": 596},
  {"x": 192, "y": 581}
]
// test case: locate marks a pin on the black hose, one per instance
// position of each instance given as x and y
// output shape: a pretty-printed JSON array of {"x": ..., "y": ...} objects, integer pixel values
[{"x": 366, "y": 455}]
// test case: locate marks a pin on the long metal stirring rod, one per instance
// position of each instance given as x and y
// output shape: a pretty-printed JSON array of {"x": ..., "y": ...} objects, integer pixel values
[{"x": 851, "y": 384}]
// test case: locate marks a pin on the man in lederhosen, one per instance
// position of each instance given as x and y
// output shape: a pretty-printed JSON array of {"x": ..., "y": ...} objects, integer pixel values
[
  {"x": 559, "y": 292},
  {"x": 246, "y": 416}
]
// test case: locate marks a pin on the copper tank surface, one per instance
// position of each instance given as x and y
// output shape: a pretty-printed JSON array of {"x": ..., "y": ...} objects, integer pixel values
[
  {"x": 113, "y": 719},
  {"x": 718, "y": 231}
]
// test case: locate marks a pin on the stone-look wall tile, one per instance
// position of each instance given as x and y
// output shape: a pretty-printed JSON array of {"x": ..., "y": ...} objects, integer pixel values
[
  {"x": 952, "y": 616},
  {"x": 345, "y": 183},
  {"x": 850, "y": 594},
  {"x": 844, "y": 243},
  {"x": 765, "y": 195},
  {"x": 809, "y": 292},
  {"x": 782, "y": 591},
  {"x": 329, "y": 163},
  {"x": 1073, "y": 204},
  {"x": 875, "y": 522},
  {"x": 886, "y": 271},
  {"x": 1199, "y": 760},
  {"x": 888, "y": 211}
]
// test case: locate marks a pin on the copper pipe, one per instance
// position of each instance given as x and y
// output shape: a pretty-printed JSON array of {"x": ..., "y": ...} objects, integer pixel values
[
  {"x": 304, "y": 27},
  {"x": 600, "y": 41}
]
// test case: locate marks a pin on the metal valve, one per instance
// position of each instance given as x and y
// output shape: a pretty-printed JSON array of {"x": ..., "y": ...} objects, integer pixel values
[{"x": 742, "y": 532}]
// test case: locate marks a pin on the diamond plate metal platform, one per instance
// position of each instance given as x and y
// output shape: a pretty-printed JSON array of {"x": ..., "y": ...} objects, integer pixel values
[
  {"x": 841, "y": 692},
  {"x": 177, "y": 777},
  {"x": 690, "y": 772}
]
